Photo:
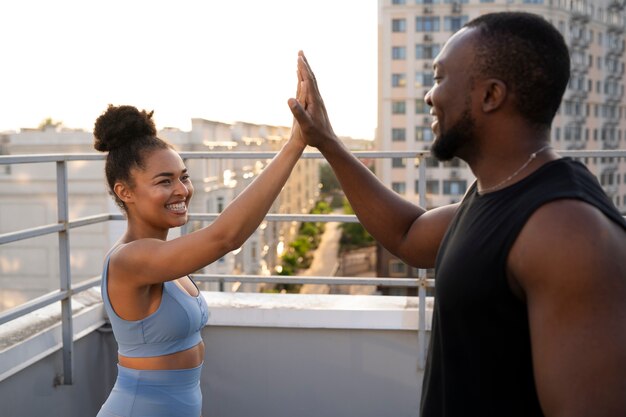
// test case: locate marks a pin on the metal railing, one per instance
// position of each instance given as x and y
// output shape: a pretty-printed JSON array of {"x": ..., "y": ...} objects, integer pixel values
[{"x": 64, "y": 225}]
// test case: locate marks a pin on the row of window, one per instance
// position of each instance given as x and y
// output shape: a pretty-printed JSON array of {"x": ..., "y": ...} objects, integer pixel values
[
  {"x": 422, "y": 51},
  {"x": 430, "y": 24},
  {"x": 450, "y": 187},
  {"x": 422, "y": 79},
  {"x": 571, "y": 132},
  {"x": 609, "y": 15},
  {"x": 612, "y": 64},
  {"x": 422, "y": 134},
  {"x": 575, "y": 132},
  {"x": 610, "y": 86},
  {"x": 399, "y": 107},
  {"x": 401, "y": 2},
  {"x": 578, "y": 108},
  {"x": 570, "y": 108}
]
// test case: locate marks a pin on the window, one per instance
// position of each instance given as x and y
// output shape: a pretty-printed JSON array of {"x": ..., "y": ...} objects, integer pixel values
[
  {"x": 424, "y": 79},
  {"x": 423, "y": 133},
  {"x": 452, "y": 163},
  {"x": 427, "y": 24},
  {"x": 398, "y": 80},
  {"x": 396, "y": 2},
  {"x": 397, "y": 267},
  {"x": 432, "y": 162},
  {"x": 432, "y": 186},
  {"x": 533, "y": 1},
  {"x": 573, "y": 132},
  {"x": 398, "y": 107},
  {"x": 577, "y": 82},
  {"x": 398, "y": 25},
  {"x": 454, "y": 23},
  {"x": 398, "y": 134},
  {"x": 454, "y": 187},
  {"x": 398, "y": 163},
  {"x": 426, "y": 51},
  {"x": 398, "y": 187},
  {"x": 398, "y": 52},
  {"x": 421, "y": 107},
  {"x": 220, "y": 204}
]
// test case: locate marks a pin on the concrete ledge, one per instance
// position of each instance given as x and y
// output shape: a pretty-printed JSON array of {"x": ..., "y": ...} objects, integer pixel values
[{"x": 315, "y": 311}]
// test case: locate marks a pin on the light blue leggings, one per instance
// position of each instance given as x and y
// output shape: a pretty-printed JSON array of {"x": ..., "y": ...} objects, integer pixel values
[{"x": 167, "y": 393}]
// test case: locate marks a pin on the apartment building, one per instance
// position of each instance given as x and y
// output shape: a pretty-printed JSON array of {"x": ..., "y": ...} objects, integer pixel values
[
  {"x": 592, "y": 115},
  {"x": 28, "y": 199},
  {"x": 411, "y": 34}
]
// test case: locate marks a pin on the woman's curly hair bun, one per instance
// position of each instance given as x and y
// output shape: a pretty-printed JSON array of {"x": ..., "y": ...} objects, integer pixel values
[{"x": 119, "y": 126}]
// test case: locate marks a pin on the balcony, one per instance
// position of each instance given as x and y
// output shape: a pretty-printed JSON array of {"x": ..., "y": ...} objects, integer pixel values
[{"x": 266, "y": 354}]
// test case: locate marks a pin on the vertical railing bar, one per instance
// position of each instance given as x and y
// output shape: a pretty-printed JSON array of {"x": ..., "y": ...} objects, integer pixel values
[
  {"x": 65, "y": 273},
  {"x": 421, "y": 318},
  {"x": 184, "y": 229}
]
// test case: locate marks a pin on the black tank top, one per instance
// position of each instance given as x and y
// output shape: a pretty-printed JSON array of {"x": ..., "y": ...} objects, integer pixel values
[{"x": 479, "y": 362}]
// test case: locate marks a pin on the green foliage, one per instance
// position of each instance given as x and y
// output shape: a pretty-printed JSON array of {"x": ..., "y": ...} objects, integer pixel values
[
  {"x": 328, "y": 179},
  {"x": 48, "y": 122},
  {"x": 321, "y": 207},
  {"x": 301, "y": 245},
  {"x": 299, "y": 252},
  {"x": 353, "y": 235}
]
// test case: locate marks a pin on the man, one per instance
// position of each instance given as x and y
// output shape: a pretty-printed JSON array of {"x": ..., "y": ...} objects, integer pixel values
[{"x": 530, "y": 312}]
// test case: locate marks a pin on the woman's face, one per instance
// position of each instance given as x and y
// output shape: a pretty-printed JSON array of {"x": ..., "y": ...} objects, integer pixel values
[{"x": 162, "y": 191}]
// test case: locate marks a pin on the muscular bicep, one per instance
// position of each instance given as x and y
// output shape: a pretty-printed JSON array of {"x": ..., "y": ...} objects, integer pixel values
[
  {"x": 570, "y": 262},
  {"x": 419, "y": 246}
]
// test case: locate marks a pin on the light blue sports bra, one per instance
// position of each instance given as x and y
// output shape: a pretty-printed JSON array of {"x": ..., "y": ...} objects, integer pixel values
[{"x": 175, "y": 326}]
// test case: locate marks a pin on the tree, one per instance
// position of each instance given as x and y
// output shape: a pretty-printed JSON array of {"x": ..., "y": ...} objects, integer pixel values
[
  {"x": 353, "y": 235},
  {"x": 48, "y": 122}
]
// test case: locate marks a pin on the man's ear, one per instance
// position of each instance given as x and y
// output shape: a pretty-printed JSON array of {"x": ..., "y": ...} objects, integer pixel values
[
  {"x": 123, "y": 192},
  {"x": 495, "y": 94}
]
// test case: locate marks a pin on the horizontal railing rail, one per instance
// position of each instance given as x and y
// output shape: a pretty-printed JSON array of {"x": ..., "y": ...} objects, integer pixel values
[{"x": 67, "y": 289}]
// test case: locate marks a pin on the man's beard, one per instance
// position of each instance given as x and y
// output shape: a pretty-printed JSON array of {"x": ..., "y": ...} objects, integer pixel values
[{"x": 446, "y": 146}]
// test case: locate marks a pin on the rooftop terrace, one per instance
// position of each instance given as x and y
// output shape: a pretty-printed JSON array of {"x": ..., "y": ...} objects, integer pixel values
[{"x": 266, "y": 354}]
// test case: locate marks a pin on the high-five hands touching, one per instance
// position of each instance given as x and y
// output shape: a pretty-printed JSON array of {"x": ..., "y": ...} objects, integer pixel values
[{"x": 308, "y": 108}]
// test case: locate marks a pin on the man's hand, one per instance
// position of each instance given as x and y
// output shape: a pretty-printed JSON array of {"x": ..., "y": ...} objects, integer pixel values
[{"x": 308, "y": 108}]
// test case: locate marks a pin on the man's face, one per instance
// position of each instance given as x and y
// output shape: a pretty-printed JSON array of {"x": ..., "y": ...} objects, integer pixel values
[{"x": 450, "y": 98}]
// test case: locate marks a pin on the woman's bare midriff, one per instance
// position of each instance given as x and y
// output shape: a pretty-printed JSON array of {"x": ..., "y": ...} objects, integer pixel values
[{"x": 185, "y": 359}]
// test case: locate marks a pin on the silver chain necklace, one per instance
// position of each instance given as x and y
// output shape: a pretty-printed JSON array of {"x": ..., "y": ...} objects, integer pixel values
[{"x": 510, "y": 177}]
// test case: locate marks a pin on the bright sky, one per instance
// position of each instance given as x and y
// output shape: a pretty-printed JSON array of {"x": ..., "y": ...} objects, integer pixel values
[{"x": 223, "y": 60}]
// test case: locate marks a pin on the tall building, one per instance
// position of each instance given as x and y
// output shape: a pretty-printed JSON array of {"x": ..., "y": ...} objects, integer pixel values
[
  {"x": 592, "y": 115},
  {"x": 28, "y": 199}
]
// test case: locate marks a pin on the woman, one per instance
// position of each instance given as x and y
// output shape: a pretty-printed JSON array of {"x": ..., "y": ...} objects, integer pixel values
[{"x": 155, "y": 309}]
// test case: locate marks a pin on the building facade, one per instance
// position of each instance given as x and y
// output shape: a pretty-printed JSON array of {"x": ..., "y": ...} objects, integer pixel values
[
  {"x": 592, "y": 115},
  {"x": 28, "y": 199}
]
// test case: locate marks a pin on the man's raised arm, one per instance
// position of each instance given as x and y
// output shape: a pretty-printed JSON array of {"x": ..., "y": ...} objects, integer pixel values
[{"x": 405, "y": 229}]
